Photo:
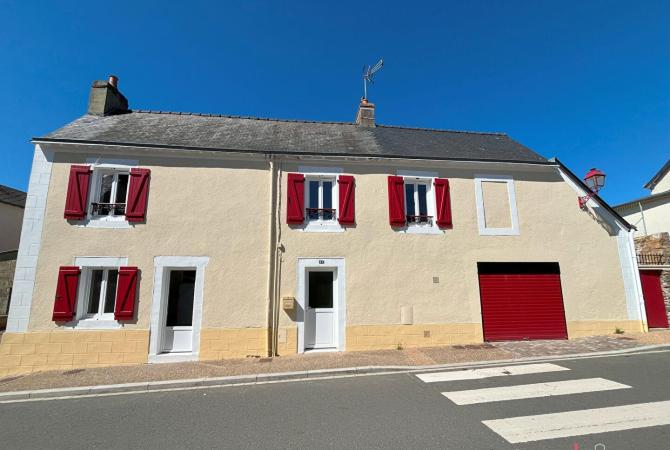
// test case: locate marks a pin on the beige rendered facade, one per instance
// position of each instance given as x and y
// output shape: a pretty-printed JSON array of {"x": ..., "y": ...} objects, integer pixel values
[{"x": 231, "y": 209}]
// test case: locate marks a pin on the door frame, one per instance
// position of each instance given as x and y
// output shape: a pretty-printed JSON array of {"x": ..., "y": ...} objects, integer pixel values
[
  {"x": 339, "y": 298},
  {"x": 162, "y": 266}
]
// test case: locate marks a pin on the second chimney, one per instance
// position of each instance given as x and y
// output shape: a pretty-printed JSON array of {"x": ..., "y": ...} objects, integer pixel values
[
  {"x": 105, "y": 98},
  {"x": 366, "y": 114}
]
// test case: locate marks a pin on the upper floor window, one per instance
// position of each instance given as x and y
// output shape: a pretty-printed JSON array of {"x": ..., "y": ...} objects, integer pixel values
[
  {"x": 110, "y": 193},
  {"x": 107, "y": 194},
  {"x": 319, "y": 199},
  {"x": 416, "y": 202}
]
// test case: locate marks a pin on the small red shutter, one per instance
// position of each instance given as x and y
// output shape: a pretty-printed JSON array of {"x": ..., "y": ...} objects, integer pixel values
[
  {"x": 295, "y": 203},
  {"x": 396, "y": 201},
  {"x": 138, "y": 195},
  {"x": 66, "y": 294},
  {"x": 443, "y": 203},
  {"x": 126, "y": 293},
  {"x": 77, "y": 192},
  {"x": 347, "y": 205}
]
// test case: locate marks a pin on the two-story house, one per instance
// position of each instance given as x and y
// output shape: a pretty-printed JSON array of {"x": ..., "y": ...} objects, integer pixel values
[{"x": 154, "y": 236}]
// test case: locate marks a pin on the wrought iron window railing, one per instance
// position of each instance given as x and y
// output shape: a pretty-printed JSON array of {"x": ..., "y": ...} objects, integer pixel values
[
  {"x": 104, "y": 209},
  {"x": 419, "y": 219},
  {"x": 320, "y": 213},
  {"x": 653, "y": 259}
]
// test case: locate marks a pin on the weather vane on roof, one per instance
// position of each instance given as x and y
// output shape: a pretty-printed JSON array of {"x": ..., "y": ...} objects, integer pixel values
[{"x": 368, "y": 73}]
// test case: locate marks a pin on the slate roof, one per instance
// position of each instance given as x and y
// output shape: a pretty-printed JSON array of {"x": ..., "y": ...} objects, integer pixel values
[
  {"x": 651, "y": 184},
  {"x": 12, "y": 196},
  {"x": 248, "y": 134}
]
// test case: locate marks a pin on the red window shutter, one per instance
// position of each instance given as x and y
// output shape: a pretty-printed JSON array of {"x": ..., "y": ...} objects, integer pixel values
[
  {"x": 443, "y": 203},
  {"x": 66, "y": 294},
  {"x": 138, "y": 195},
  {"x": 126, "y": 293},
  {"x": 396, "y": 201},
  {"x": 347, "y": 205},
  {"x": 77, "y": 192},
  {"x": 295, "y": 202}
]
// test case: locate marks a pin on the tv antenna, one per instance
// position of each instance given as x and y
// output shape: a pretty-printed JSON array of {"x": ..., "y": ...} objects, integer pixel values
[{"x": 368, "y": 74}]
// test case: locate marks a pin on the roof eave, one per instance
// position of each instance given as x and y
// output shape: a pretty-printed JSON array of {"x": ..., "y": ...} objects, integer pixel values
[{"x": 48, "y": 140}]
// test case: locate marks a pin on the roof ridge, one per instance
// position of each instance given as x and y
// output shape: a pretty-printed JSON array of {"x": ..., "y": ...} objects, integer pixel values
[
  {"x": 440, "y": 130},
  {"x": 233, "y": 116}
]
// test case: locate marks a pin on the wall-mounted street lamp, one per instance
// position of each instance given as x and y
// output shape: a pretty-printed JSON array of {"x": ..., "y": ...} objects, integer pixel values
[{"x": 595, "y": 180}]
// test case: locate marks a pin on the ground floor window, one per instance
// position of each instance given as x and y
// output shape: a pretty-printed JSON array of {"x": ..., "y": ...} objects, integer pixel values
[{"x": 101, "y": 293}]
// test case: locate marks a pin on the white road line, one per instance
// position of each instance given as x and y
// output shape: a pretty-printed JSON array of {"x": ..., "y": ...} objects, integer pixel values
[
  {"x": 578, "y": 423},
  {"x": 501, "y": 371},
  {"x": 497, "y": 394}
]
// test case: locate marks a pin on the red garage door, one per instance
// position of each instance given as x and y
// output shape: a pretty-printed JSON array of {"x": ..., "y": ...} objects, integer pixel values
[
  {"x": 653, "y": 298},
  {"x": 521, "y": 301}
]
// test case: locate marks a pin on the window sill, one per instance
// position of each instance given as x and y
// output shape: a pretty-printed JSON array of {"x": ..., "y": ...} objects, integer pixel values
[
  {"x": 322, "y": 227},
  {"x": 418, "y": 229},
  {"x": 93, "y": 324},
  {"x": 104, "y": 223}
]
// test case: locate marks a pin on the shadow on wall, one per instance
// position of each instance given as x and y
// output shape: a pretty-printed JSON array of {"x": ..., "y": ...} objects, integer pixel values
[{"x": 597, "y": 213}]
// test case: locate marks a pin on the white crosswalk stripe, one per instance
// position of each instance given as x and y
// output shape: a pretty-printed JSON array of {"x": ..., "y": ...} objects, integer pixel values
[
  {"x": 578, "y": 423},
  {"x": 476, "y": 374},
  {"x": 523, "y": 391}
]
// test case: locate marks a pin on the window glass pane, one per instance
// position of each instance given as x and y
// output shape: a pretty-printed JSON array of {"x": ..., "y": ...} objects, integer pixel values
[
  {"x": 409, "y": 199},
  {"x": 313, "y": 199},
  {"x": 180, "y": 298},
  {"x": 423, "y": 206},
  {"x": 327, "y": 199},
  {"x": 106, "y": 188},
  {"x": 320, "y": 289},
  {"x": 121, "y": 190},
  {"x": 94, "y": 292},
  {"x": 110, "y": 294}
]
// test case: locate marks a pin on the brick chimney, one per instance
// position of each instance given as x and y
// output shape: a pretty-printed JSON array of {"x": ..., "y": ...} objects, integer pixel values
[
  {"x": 366, "y": 114},
  {"x": 105, "y": 98}
]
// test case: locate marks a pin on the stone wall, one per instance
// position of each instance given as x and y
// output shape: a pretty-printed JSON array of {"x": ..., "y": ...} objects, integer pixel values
[
  {"x": 658, "y": 244},
  {"x": 7, "y": 266}
]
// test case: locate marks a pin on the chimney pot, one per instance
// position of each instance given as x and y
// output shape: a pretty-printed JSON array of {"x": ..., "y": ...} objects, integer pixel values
[{"x": 113, "y": 80}]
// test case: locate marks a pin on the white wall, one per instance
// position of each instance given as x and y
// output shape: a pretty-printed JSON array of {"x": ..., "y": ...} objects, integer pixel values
[{"x": 656, "y": 216}]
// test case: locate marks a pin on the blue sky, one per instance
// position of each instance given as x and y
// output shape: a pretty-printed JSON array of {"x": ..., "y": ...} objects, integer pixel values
[{"x": 586, "y": 81}]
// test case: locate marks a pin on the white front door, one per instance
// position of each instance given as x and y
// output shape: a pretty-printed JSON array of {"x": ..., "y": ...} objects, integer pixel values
[
  {"x": 178, "y": 331},
  {"x": 320, "y": 315}
]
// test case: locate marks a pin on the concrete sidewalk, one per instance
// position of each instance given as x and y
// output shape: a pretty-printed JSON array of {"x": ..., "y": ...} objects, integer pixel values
[{"x": 322, "y": 363}]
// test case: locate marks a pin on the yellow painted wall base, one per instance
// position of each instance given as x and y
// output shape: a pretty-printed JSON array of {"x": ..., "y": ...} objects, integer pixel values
[
  {"x": 225, "y": 343},
  {"x": 63, "y": 350},
  {"x": 381, "y": 337},
  {"x": 584, "y": 328}
]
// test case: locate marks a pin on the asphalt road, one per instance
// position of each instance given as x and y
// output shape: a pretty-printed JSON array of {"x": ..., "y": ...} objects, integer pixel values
[{"x": 383, "y": 411}]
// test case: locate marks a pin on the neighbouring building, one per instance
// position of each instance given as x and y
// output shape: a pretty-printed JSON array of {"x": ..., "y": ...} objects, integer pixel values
[
  {"x": 153, "y": 236},
  {"x": 12, "y": 202},
  {"x": 651, "y": 216}
]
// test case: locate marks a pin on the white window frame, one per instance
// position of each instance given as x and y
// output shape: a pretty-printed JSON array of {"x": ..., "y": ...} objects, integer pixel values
[
  {"x": 322, "y": 174},
  {"x": 427, "y": 178},
  {"x": 97, "y": 321},
  {"x": 99, "y": 167},
  {"x": 85, "y": 283},
  {"x": 513, "y": 230}
]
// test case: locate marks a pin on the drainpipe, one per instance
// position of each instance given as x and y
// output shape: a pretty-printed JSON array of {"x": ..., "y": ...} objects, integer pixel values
[
  {"x": 271, "y": 256},
  {"x": 278, "y": 249},
  {"x": 644, "y": 223}
]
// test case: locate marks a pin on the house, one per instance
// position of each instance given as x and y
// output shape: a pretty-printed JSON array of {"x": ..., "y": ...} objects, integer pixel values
[
  {"x": 12, "y": 202},
  {"x": 155, "y": 237},
  {"x": 651, "y": 216}
]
